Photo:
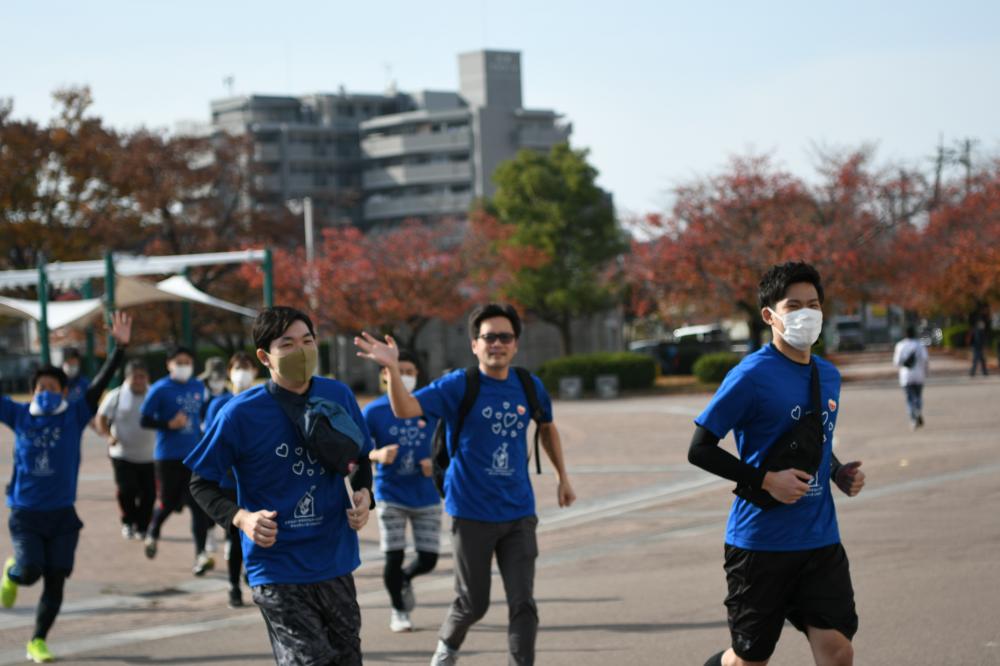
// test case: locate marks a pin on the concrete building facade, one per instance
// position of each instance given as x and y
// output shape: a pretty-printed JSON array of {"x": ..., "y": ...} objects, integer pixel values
[{"x": 370, "y": 159}]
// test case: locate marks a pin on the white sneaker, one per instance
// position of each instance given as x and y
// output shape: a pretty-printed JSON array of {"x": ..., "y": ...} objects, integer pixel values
[
  {"x": 444, "y": 655},
  {"x": 127, "y": 532},
  {"x": 204, "y": 562},
  {"x": 400, "y": 621}
]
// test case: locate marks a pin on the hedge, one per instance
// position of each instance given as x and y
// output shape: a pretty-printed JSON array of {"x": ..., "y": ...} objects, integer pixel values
[
  {"x": 712, "y": 368},
  {"x": 956, "y": 336},
  {"x": 634, "y": 371}
]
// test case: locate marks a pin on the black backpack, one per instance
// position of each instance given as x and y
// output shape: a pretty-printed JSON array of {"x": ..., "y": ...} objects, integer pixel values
[
  {"x": 443, "y": 453},
  {"x": 800, "y": 447}
]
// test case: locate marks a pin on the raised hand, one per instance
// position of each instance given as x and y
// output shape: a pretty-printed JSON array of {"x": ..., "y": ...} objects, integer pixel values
[
  {"x": 121, "y": 328},
  {"x": 384, "y": 353}
]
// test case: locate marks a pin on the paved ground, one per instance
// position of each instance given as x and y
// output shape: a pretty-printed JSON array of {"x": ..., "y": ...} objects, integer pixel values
[{"x": 632, "y": 573}]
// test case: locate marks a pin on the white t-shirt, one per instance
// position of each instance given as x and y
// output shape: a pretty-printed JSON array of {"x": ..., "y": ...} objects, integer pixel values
[
  {"x": 918, "y": 373},
  {"x": 134, "y": 443}
]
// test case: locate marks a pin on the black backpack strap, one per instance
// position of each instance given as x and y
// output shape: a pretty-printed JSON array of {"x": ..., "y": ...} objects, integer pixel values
[
  {"x": 534, "y": 407},
  {"x": 814, "y": 389},
  {"x": 468, "y": 400}
]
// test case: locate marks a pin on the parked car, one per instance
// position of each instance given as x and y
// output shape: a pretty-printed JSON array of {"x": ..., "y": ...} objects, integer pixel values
[{"x": 848, "y": 335}]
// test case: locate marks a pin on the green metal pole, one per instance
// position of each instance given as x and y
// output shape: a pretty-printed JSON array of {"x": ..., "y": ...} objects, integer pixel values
[
  {"x": 88, "y": 361},
  {"x": 43, "y": 304},
  {"x": 186, "y": 327},
  {"x": 268, "y": 279},
  {"x": 109, "y": 294}
]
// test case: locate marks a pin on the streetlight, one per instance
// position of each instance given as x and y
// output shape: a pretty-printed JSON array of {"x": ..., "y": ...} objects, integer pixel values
[{"x": 304, "y": 207}]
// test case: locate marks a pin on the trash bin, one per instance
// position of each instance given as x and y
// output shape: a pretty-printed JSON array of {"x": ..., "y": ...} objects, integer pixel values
[
  {"x": 607, "y": 386},
  {"x": 571, "y": 388}
]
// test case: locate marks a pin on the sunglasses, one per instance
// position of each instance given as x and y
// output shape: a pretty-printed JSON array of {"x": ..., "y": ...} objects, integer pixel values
[{"x": 490, "y": 338}]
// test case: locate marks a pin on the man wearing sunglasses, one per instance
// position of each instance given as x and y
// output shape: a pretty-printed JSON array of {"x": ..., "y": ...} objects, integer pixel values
[{"x": 488, "y": 492}]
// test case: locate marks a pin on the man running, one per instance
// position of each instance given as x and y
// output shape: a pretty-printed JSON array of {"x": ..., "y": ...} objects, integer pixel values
[
  {"x": 77, "y": 381},
  {"x": 130, "y": 447},
  {"x": 786, "y": 561},
  {"x": 242, "y": 373},
  {"x": 488, "y": 491},
  {"x": 291, "y": 442},
  {"x": 173, "y": 408},
  {"x": 405, "y": 493},
  {"x": 44, "y": 526}
]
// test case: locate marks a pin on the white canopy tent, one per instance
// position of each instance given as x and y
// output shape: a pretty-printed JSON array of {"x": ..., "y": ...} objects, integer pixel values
[{"x": 129, "y": 292}]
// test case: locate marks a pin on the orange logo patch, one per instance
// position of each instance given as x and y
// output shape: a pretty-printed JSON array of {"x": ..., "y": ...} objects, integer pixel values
[
  {"x": 521, "y": 410},
  {"x": 422, "y": 423},
  {"x": 832, "y": 404}
]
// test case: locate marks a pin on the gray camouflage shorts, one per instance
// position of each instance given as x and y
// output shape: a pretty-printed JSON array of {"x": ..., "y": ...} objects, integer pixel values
[{"x": 312, "y": 624}]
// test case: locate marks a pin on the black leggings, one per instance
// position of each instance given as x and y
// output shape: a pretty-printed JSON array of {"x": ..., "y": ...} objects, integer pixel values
[
  {"x": 172, "y": 479},
  {"x": 395, "y": 575},
  {"x": 136, "y": 484},
  {"x": 53, "y": 582}
]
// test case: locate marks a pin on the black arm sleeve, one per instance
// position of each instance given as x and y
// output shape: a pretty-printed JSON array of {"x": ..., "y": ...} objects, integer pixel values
[
  {"x": 150, "y": 423},
  {"x": 213, "y": 501},
  {"x": 705, "y": 453},
  {"x": 103, "y": 378},
  {"x": 361, "y": 477}
]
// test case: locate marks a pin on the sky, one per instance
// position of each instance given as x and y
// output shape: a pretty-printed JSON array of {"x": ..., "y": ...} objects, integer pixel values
[{"x": 659, "y": 92}]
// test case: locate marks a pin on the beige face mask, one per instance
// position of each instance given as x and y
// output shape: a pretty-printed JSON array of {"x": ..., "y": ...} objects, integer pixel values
[{"x": 298, "y": 366}]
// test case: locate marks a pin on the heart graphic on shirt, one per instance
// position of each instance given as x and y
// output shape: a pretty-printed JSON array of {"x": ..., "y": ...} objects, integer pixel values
[
  {"x": 824, "y": 439},
  {"x": 506, "y": 405},
  {"x": 797, "y": 413},
  {"x": 393, "y": 431},
  {"x": 497, "y": 427},
  {"x": 509, "y": 419},
  {"x": 826, "y": 417},
  {"x": 309, "y": 472},
  {"x": 520, "y": 426},
  {"x": 831, "y": 426},
  {"x": 411, "y": 433},
  {"x": 299, "y": 467},
  {"x": 298, "y": 450},
  {"x": 309, "y": 456},
  {"x": 282, "y": 450},
  {"x": 499, "y": 415},
  {"x": 487, "y": 412}
]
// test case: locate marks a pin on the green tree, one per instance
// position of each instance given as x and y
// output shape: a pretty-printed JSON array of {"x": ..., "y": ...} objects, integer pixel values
[{"x": 552, "y": 201}]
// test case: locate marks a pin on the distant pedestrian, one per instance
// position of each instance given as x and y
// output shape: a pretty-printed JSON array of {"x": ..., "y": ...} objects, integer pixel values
[
  {"x": 910, "y": 356},
  {"x": 978, "y": 338},
  {"x": 130, "y": 447}
]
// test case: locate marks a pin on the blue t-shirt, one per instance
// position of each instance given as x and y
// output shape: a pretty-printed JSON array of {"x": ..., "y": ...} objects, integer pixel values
[
  {"x": 46, "y": 455},
  {"x": 254, "y": 437},
  {"x": 488, "y": 478},
  {"x": 759, "y": 400},
  {"x": 164, "y": 399},
  {"x": 402, "y": 482},
  {"x": 214, "y": 407},
  {"x": 77, "y": 387}
]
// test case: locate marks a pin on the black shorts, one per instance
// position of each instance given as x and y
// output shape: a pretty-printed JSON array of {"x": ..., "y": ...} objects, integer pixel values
[{"x": 810, "y": 588}]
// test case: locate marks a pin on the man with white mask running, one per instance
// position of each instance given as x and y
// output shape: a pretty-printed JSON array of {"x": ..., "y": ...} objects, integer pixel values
[{"x": 783, "y": 556}]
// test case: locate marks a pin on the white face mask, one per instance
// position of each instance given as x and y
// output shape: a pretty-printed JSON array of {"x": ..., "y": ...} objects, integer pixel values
[
  {"x": 217, "y": 385},
  {"x": 71, "y": 370},
  {"x": 409, "y": 381},
  {"x": 802, "y": 327},
  {"x": 242, "y": 379},
  {"x": 181, "y": 373}
]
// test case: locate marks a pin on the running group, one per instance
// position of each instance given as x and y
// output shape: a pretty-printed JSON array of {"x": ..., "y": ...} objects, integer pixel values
[{"x": 285, "y": 466}]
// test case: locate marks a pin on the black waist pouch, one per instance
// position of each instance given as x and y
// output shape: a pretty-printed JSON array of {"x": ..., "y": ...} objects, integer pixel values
[{"x": 800, "y": 447}]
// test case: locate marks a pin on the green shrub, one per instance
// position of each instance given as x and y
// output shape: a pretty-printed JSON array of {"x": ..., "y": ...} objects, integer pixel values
[
  {"x": 634, "y": 371},
  {"x": 712, "y": 368},
  {"x": 956, "y": 336}
]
